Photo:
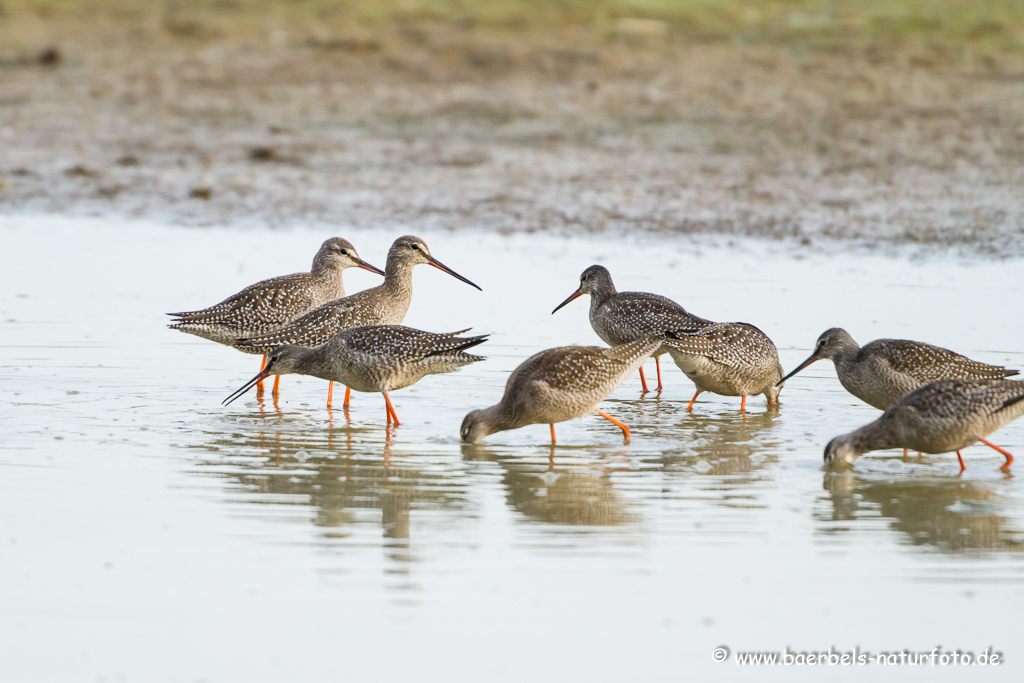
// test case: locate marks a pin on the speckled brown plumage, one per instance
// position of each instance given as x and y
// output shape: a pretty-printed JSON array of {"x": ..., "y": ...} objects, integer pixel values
[
  {"x": 271, "y": 303},
  {"x": 886, "y": 369},
  {"x": 731, "y": 359},
  {"x": 375, "y": 358},
  {"x": 386, "y": 304},
  {"x": 557, "y": 385},
  {"x": 939, "y": 417},
  {"x": 622, "y": 317}
]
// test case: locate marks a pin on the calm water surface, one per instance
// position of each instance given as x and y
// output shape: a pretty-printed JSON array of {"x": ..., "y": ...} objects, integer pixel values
[{"x": 151, "y": 535}]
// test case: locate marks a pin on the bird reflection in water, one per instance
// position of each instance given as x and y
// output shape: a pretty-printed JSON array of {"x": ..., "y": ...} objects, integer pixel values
[
  {"x": 560, "y": 490},
  {"x": 308, "y": 466},
  {"x": 722, "y": 444},
  {"x": 953, "y": 516}
]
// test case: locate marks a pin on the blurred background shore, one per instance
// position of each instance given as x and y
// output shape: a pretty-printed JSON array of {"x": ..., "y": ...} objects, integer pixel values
[{"x": 818, "y": 121}]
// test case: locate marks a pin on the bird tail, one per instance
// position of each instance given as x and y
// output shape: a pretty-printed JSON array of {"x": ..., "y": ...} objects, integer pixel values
[{"x": 460, "y": 344}]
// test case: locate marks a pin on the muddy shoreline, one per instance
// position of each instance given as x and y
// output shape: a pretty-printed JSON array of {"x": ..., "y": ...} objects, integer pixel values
[{"x": 674, "y": 139}]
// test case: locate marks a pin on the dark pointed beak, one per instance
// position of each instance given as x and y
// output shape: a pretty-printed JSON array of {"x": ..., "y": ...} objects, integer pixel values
[
  {"x": 800, "y": 367},
  {"x": 437, "y": 264},
  {"x": 366, "y": 266},
  {"x": 265, "y": 373},
  {"x": 575, "y": 295}
]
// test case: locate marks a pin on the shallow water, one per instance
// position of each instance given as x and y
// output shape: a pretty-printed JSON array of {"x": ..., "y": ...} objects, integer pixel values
[{"x": 150, "y": 534}]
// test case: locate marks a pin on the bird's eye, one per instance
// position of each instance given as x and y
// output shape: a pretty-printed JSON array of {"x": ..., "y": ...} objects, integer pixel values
[
  {"x": 823, "y": 342},
  {"x": 274, "y": 359},
  {"x": 344, "y": 252},
  {"x": 415, "y": 247}
]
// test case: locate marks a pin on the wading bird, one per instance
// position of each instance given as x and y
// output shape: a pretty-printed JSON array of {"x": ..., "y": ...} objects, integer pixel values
[{"x": 622, "y": 317}]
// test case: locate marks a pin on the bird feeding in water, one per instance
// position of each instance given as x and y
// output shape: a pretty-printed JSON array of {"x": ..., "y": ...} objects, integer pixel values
[
  {"x": 882, "y": 371},
  {"x": 622, "y": 317},
  {"x": 730, "y": 359},
  {"x": 941, "y": 417},
  {"x": 385, "y": 304},
  {"x": 885, "y": 369},
  {"x": 269, "y": 304},
  {"x": 375, "y": 358},
  {"x": 560, "y": 384}
]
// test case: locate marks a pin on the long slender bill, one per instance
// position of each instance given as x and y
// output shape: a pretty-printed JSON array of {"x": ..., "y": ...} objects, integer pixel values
[
  {"x": 575, "y": 295},
  {"x": 248, "y": 385},
  {"x": 800, "y": 367},
  {"x": 373, "y": 269},
  {"x": 437, "y": 264}
]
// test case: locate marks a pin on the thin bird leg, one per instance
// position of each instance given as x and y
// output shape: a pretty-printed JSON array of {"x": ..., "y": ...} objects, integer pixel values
[
  {"x": 689, "y": 408},
  {"x": 1009, "y": 456},
  {"x": 277, "y": 383},
  {"x": 259, "y": 385},
  {"x": 348, "y": 395},
  {"x": 552, "y": 425},
  {"x": 330, "y": 393},
  {"x": 961, "y": 459},
  {"x": 391, "y": 410},
  {"x": 643, "y": 380},
  {"x": 618, "y": 423},
  {"x": 657, "y": 364},
  {"x": 906, "y": 452},
  {"x": 743, "y": 404}
]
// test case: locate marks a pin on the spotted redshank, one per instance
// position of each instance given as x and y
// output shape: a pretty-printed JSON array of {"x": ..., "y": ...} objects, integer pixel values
[
  {"x": 731, "y": 359},
  {"x": 940, "y": 417},
  {"x": 374, "y": 358},
  {"x": 269, "y": 304},
  {"x": 560, "y": 384},
  {"x": 622, "y": 317},
  {"x": 385, "y": 304},
  {"x": 885, "y": 369}
]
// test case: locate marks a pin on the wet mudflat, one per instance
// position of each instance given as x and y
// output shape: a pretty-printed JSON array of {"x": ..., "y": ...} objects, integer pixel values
[{"x": 155, "y": 535}]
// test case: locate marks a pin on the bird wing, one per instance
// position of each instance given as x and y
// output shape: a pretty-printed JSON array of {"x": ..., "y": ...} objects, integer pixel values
[
  {"x": 319, "y": 325},
  {"x": 926, "y": 363},
  {"x": 271, "y": 302},
  {"x": 629, "y": 314},
  {"x": 405, "y": 343},
  {"x": 734, "y": 345},
  {"x": 953, "y": 398},
  {"x": 568, "y": 367}
]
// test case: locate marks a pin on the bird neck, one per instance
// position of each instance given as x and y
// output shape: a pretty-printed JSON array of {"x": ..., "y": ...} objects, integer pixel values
[
  {"x": 498, "y": 418},
  {"x": 313, "y": 362},
  {"x": 878, "y": 435},
  {"x": 846, "y": 353},
  {"x": 398, "y": 275},
  {"x": 601, "y": 292},
  {"x": 329, "y": 278}
]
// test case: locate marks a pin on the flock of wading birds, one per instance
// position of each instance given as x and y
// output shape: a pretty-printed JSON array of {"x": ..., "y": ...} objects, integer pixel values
[{"x": 935, "y": 401}]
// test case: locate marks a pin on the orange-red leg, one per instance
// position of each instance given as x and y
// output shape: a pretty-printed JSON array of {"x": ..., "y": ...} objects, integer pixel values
[
  {"x": 618, "y": 423},
  {"x": 330, "y": 393},
  {"x": 277, "y": 384},
  {"x": 689, "y": 407},
  {"x": 1009, "y": 456},
  {"x": 259, "y": 385},
  {"x": 643, "y": 380},
  {"x": 743, "y": 404},
  {"x": 961, "y": 459},
  {"x": 906, "y": 452},
  {"x": 392, "y": 415},
  {"x": 552, "y": 433},
  {"x": 657, "y": 364},
  {"x": 348, "y": 395}
]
